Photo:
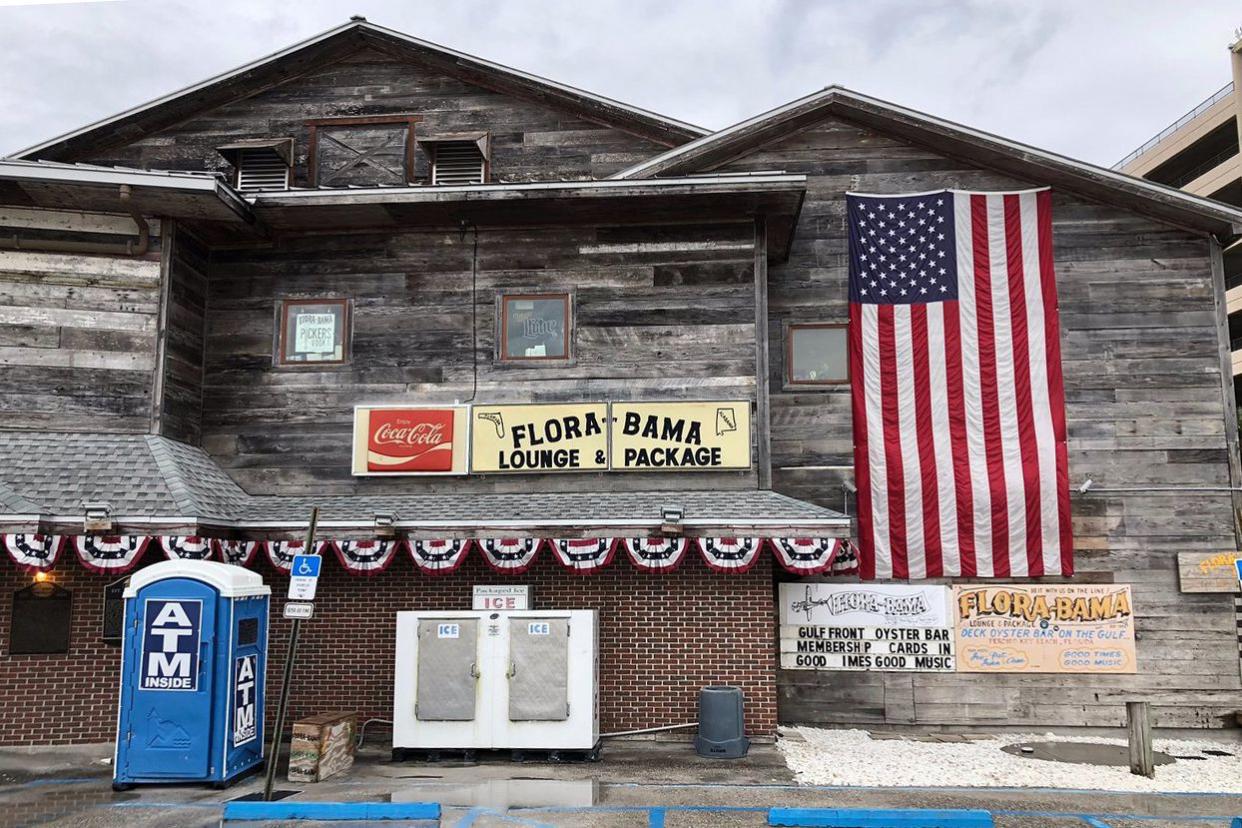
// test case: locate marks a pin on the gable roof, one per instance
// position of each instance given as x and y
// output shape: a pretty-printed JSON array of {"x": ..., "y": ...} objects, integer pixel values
[
  {"x": 988, "y": 150},
  {"x": 335, "y": 43}
]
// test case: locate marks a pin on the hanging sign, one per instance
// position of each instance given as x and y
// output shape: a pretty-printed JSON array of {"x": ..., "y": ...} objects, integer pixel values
[
  {"x": 501, "y": 597},
  {"x": 1008, "y": 628},
  {"x": 872, "y": 627},
  {"x": 680, "y": 436},
  {"x": 539, "y": 438},
  {"x": 411, "y": 440}
]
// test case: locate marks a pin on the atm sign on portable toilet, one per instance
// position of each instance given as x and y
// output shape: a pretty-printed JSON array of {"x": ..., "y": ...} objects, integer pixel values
[{"x": 192, "y": 674}]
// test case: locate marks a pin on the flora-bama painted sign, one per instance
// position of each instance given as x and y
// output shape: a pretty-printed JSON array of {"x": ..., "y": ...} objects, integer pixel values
[
  {"x": 901, "y": 627},
  {"x": 1009, "y": 628},
  {"x": 429, "y": 440},
  {"x": 560, "y": 437}
]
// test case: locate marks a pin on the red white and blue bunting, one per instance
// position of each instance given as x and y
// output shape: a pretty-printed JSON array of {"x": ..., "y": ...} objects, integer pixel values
[
  {"x": 512, "y": 555},
  {"x": 367, "y": 557},
  {"x": 280, "y": 553},
  {"x": 33, "y": 552},
  {"x": 186, "y": 546},
  {"x": 119, "y": 553},
  {"x": 655, "y": 554},
  {"x": 237, "y": 552},
  {"x": 114, "y": 554},
  {"x": 730, "y": 554},
  {"x": 584, "y": 555},
  {"x": 438, "y": 556},
  {"x": 806, "y": 556}
]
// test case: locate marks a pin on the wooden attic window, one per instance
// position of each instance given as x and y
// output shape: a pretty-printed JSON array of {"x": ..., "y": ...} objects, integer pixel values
[
  {"x": 459, "y": 159},
  {"x": 362, "y": 151},
  {"x": 260, "y": 164}
]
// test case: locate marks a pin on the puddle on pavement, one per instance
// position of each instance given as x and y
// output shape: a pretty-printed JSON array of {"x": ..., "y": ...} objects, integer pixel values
[
  {"x": 1080, "y": 753},
  {"x": 502, "y": 794}
]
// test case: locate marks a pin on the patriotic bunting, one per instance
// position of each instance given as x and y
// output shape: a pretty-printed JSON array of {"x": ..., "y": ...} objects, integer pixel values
[
  {"x": 186, "y": 546},
  {"x": 110, "y": 553},
  {"x": 33, "y": 552},
  {"x": 366, "y": 557},
  {"x": 237, "y": 552},
  {"x": 584, "y": 554},
  {"x": 512, "y": 555},
  {"x": 438, "y": 556},
  {"x": 656, "y": 554},
  {"x": 846, "y": 562},
  {"x": 281, "y": 553},
  {"x": 730, "y": 554},
  {"x": 806, "y": 556}
]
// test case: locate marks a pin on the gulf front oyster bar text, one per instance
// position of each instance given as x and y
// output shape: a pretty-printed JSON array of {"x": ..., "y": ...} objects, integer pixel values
[{"x": 593, "y": 436}]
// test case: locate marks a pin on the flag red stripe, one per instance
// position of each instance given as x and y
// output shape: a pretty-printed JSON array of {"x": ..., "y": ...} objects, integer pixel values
[
  {"x": 926, "y": 439},
  {"x": 862, "y": 469},
  {"x": 892, "y": 441},
  {"x": 1056, "y": 387},
  {"x": 988, "y": 388},
  {"x": 1022, "y": 382},
  {"x": 957, "y": 438}
]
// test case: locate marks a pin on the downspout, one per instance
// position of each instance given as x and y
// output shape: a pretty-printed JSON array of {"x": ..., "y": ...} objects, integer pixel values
[{"x": 132, "y": 247}]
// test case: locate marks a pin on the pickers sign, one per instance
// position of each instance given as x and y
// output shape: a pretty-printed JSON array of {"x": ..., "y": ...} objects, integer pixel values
[{"x": 560, "y": 437}]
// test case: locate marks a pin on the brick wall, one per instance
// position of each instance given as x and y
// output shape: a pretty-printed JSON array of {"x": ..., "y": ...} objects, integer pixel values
[{"x": 661, "y": 638}]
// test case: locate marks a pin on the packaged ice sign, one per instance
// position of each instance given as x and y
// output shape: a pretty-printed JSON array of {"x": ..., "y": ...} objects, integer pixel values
[
  {"x": 245, "y": 671},
  {"x": 303, "y": 577},
  {"x": 170, "y": 645},
  {"x": 411, "y": 440},
  {"x": 889, "y": 627},
  {"x": 501, "y": 597}
]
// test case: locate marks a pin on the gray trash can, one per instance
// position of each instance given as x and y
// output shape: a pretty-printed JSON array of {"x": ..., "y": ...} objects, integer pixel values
[{"x": 722, "y": 725}]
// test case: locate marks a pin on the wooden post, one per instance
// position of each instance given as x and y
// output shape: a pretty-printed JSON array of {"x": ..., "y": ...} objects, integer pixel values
[{"x": 1138, "y": 720}]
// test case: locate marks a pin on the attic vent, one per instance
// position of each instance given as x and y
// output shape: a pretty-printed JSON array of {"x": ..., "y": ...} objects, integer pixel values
[
  {"x": 458, "y": 162},
  {"x": 261, "y": 169}
]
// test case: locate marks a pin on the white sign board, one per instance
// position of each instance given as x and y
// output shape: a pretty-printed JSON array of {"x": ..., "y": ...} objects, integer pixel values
[
  {"x": 501, "y": 597},
  {"x": 303, "y": 577},
  {"x": 314, "y": 333},
  {"x": 299, "y": 611},
  {"x": 866, "y": 627}
]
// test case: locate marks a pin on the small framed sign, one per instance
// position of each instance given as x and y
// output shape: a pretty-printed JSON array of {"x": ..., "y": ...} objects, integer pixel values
[{"x": 501, "y": 597}]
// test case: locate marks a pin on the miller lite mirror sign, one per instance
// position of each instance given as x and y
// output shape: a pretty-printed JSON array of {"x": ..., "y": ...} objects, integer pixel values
[{"x": 407, "y": 440}]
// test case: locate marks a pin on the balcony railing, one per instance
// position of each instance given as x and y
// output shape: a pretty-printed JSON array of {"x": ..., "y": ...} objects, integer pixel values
[{"x": 1222, "y": 93}]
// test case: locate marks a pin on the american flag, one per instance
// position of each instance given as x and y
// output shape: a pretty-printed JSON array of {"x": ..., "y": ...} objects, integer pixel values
[{"x": 958, "y": 404}]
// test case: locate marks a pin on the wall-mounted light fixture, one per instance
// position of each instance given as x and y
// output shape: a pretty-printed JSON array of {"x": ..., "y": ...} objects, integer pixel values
[
  {"x": 1086, "y": 486},
  {"x": 385, "y": 525},
  {"x": 98, "y": 516},
  {"x": 670, "y": 519}
]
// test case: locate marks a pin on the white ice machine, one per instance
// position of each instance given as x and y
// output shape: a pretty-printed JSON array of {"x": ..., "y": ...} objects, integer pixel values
[{"x": 484, "y": 680}]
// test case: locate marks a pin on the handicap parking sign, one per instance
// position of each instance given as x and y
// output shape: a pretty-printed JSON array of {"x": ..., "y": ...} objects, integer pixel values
[{"x": 303, "y": 576}]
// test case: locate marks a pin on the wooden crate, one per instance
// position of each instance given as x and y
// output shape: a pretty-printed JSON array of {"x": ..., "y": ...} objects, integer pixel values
[{"x": 323, "y": 746}]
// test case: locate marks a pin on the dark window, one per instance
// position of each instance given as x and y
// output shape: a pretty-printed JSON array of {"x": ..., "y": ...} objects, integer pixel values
[
  {"x": 534, "y": 326},
  {"x": 312, "y": 332},
  {"x": 114, "y": 611},
  {"x": 816, "y": 354},
  {"x": 363, "y": 151},
  {"x": 247, "y": 632},
  {"x": 40, "y": 622}
]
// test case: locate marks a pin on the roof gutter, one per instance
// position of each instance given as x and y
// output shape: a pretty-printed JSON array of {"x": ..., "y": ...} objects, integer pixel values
[{"x": 136, "y": 249}]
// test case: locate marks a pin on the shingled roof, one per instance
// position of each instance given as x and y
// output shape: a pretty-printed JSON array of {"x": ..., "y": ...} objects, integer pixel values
[{"x": 146, "y": 478}]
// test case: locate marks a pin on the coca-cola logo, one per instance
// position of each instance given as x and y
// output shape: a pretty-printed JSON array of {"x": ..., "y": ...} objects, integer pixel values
[{"x": 405, "y": 440}]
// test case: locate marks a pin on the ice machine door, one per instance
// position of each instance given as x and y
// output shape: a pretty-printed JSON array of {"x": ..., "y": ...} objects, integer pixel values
[
  {"x": 447, "y": 669},
  {"x": 538, "y": 669}
]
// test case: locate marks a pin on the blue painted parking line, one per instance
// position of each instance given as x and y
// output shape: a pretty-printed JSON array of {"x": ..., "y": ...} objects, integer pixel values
[
  {"x": 330, "y": 811},
  {"x": 879, "y": 818}
]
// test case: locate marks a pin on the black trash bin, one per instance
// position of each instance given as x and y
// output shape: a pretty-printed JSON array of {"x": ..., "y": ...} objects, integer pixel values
[{"x": 722, "y": 725}]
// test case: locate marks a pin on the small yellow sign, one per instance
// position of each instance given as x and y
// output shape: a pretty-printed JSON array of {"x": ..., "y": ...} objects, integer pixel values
[
  {"x": 540, "y": 438},
  {"x": 681, "y": 436}
]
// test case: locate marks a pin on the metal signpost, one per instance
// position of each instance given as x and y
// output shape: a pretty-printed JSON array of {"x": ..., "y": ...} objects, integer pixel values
[{"x": 304, "y": 575}]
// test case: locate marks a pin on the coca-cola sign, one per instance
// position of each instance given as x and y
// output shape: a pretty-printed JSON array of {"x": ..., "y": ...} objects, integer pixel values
[{"x": 410, "y": 440}]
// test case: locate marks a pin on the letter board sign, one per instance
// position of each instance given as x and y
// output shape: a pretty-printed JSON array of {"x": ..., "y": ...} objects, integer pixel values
[
  {"x": 171, "y": 632},
  {"x": 245, "y": 729}
]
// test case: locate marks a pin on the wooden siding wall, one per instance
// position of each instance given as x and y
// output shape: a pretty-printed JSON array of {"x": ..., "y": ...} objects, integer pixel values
[
  {"x": 529, "y": 141},
  {"x": 185, "y": 327},
  {"x": 77, "y": 341},
  {"x": 1144, "y": 407},
  {"x": 661, "y": 313}
]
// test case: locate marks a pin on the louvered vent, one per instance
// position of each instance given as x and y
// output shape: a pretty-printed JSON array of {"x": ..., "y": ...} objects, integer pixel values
[
  {"x": 457, "y": 162},
  {"x": 261, "y": 169}
]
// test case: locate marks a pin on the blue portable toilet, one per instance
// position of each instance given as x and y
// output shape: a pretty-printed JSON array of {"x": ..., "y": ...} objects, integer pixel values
[{"x": 193, "y": 661}]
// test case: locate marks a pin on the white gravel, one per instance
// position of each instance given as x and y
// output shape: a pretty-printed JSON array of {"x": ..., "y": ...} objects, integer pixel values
[{"x": 852, "y": 757}]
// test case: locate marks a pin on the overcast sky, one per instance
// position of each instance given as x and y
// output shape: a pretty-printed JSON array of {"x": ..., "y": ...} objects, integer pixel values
[{"x": 1089, "y": 79}]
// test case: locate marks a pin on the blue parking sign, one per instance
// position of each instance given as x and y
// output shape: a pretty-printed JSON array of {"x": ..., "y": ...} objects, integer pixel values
[{"x": 306, "y": 566}]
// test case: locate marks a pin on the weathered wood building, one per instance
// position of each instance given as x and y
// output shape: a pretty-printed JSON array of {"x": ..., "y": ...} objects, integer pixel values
[{"x": 365, "y": 219}]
